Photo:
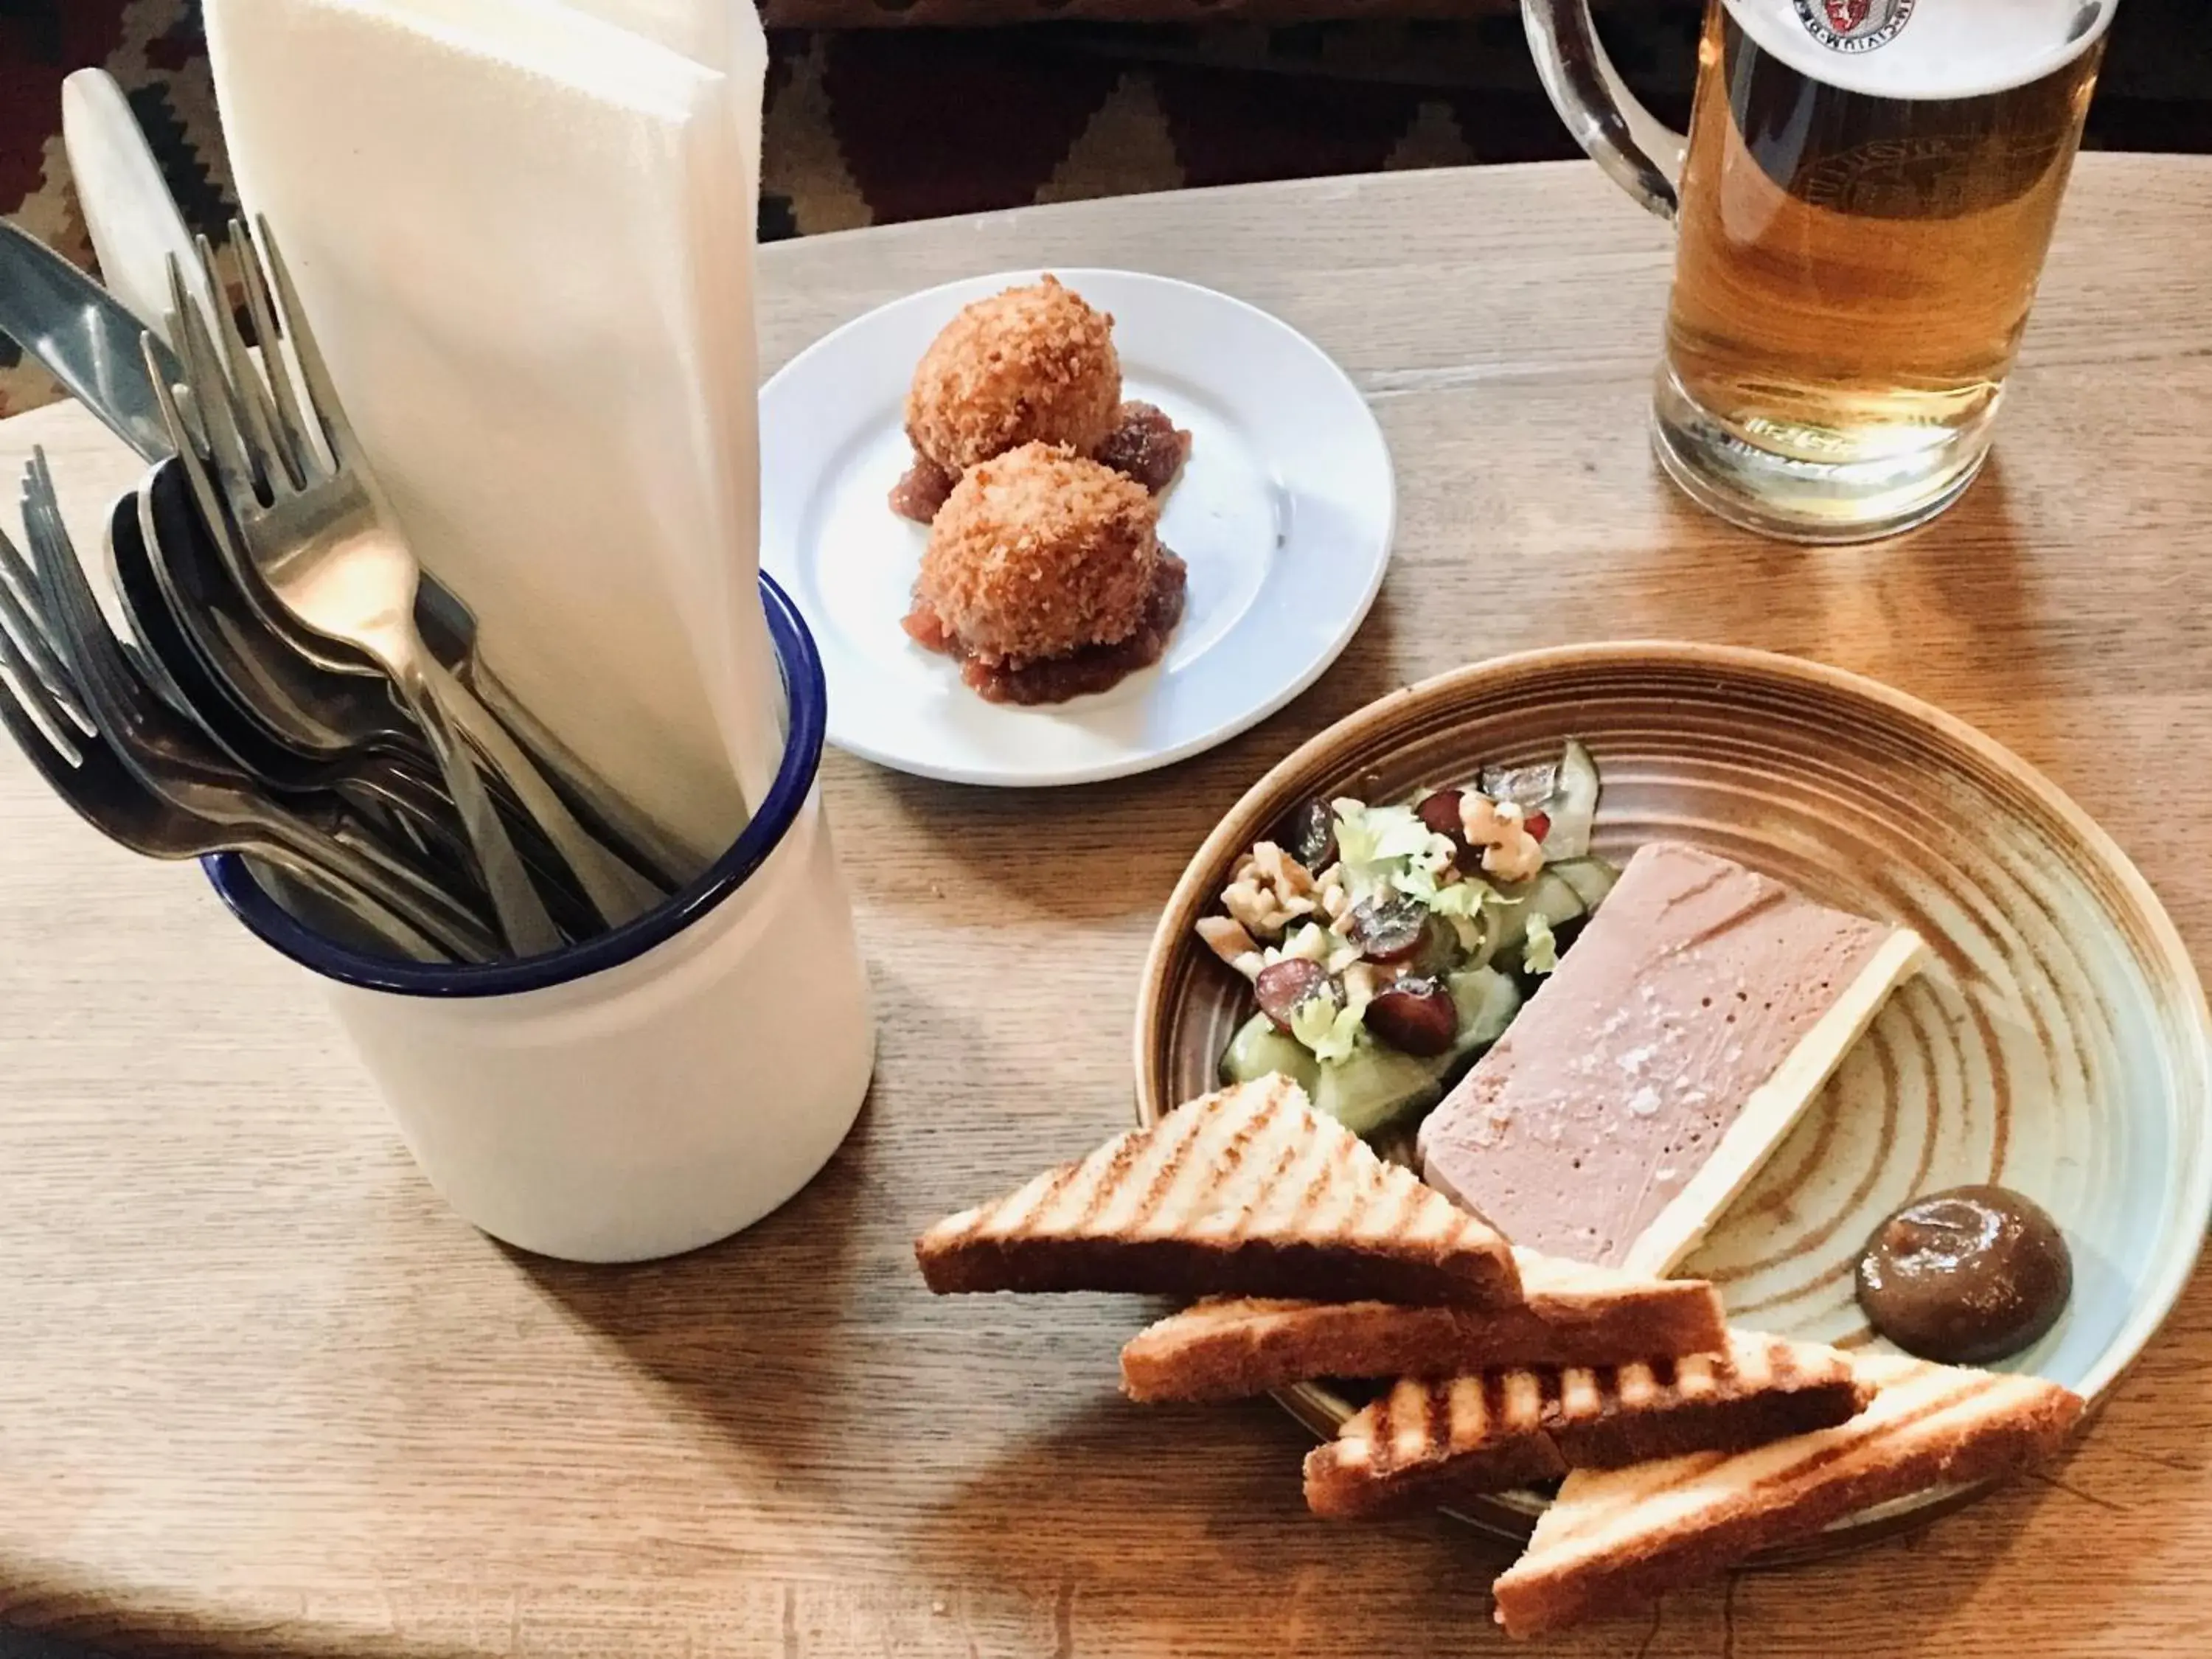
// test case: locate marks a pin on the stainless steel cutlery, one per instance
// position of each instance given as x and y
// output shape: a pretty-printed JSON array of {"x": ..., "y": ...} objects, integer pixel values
[
  {"x": 131, "y": 734},
  {"x": 270, "y": 666}
]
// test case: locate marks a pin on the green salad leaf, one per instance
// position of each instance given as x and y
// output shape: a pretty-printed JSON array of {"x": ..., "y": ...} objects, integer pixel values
[
  {"x": 1382, "y": 847},
  {"x": 1540, "y": 951},
  {"x": 1330, "y": 1031},
  {"x": 1463, "y": 899}
]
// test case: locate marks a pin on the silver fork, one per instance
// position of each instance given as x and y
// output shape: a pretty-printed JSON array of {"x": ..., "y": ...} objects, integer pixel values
[
  {"x": 618, "y": 890},
  {"x": 19, "y": 607},
  {"x": 171, "y": 761},
  {"x": 87, "y": 773},
  {"x": 618, "y": 883},
  {"x": 335, "y": 565}
]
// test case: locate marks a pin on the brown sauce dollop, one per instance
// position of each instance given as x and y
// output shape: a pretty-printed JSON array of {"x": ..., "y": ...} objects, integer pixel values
[
  {"x": 1965, "y": 1276},
  {"x": 1055, "y": 679}
]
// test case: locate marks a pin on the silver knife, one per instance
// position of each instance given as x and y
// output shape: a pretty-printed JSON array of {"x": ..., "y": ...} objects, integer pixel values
[
  {"x": 85, "y": 338},
  {"x": 132, "y": 218}
]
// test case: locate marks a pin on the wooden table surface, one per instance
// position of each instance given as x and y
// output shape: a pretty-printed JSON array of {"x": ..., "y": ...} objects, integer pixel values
[{"x": 260, "y": 1393}]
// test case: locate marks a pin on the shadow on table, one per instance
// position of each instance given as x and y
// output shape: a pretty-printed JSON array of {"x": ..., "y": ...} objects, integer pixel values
[
  {"x": 745, "y": 1330},
  {"x": 22, "y": 1644},
  {"x": 1941, "y": 611},
  {"x": 1178, "y": 1526},
  {"x": 786, "y": 1341},
  {"x": 1178, "y": 1529}
]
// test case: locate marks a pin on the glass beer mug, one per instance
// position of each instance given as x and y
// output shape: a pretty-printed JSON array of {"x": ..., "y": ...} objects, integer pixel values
[{"x": 1863, "y": 204}]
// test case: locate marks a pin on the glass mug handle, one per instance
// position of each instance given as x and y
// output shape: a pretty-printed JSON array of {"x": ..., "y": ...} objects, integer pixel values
[{"x": 1638, "y": 150}]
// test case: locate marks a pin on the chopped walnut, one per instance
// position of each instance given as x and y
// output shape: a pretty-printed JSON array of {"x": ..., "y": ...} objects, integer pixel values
[
  {"x": 1508, "y": 851},
  {"x": 1272, "y": 863},
  {"x": 1331, "y": 895},
  {"x": 1226, "y": 937},
  {"x": 1436, "y": 858},
  {"x": 1270, "y": 890}
]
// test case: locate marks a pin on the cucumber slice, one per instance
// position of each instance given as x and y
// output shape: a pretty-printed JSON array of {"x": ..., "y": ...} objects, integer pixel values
[
  {"x": 1374, "y": 1086},
  {"x": 1550, "y": 895},
  {"x": 1505, "y": 924},
  {"x": 1488, "y": 923},
  {"x": 1547, "y": 892},
  {"x": 1555, "y": 898},
  {"x": 1573, "y": 806},
  {"x": 1591, "y": 878},
  {"x": 1439, "y": 953},
  {"x": 1259, "y": 1048},
  {"x": 1377, "y": 1087},
  {"x": 1487, "y": 1002}
]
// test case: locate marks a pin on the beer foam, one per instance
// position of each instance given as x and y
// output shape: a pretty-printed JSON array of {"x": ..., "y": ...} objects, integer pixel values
[{"x": 1939, "y": 49}]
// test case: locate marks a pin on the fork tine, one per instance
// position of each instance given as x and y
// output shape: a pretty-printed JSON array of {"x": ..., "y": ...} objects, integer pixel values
[
  {"x": 90, "y": 777},
  {"x": 221, "y": 528},
  {"x": 20, "y": 582},
  {"x": 38, "y": 725},
  {"x": 66, "y": 597},
  {"x": 211, "y": 398},
  {"x": 181, "y": 434},
  {"x": 19, "y": 622},
  {"x": 314, "y": 373},
  {"x": 276, "y": 366},
  {"x": 189, "y": 451},
  {"x": 15, "y": 570},
  {"x": 166, "y": 369},
  {"x": 270, "y": 464}
]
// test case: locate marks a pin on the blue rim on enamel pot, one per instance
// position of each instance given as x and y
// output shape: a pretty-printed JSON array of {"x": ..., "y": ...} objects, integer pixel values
[{"x": 806, "y": 695}]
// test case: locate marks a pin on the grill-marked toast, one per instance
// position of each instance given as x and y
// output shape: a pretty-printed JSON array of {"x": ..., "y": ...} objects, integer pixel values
[
  {"x": 1613, "y": 1539},
  {"x": 1574, "y": 1316},
  {"x": 1248, "y": 1192},
  {"x": 1424, "y": 1441}
]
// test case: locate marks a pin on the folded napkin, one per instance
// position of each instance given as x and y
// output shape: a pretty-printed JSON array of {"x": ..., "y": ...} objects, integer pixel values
[
  {"x": 702, "y": 30},
  {"x": 524, "y": 233}
]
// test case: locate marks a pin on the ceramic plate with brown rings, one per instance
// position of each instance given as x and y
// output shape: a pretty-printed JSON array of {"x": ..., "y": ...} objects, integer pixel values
[{"x": 2057, "y": 1043}]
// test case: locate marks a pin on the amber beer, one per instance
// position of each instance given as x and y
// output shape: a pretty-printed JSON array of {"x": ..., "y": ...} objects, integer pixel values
[{"x": 1856, "y": 269}]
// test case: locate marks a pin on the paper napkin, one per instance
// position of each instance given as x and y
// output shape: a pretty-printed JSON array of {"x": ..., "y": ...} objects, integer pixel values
[{"x": 524, "y": 233}]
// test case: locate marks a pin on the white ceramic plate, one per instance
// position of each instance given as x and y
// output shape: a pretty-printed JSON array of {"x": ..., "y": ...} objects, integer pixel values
[{"x": 1283, "y": 514}]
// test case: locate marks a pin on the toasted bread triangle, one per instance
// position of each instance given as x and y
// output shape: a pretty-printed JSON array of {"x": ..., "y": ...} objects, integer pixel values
[
  {"x": 1428, "y": 1441},
  {"x": 1614, "y": 1539},
  {"x": 1248, "y": 1192},
  {"x": 1575, "y": 1315}
]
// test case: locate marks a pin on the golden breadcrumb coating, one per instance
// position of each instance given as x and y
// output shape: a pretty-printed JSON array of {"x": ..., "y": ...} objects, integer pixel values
[
  {"x": 1039, "y": 553},
  {"x": 1030, "y": 365}
]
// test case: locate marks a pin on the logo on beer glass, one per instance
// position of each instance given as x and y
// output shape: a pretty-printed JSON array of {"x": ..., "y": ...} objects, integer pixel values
[{"x": 1854, "y": 25}]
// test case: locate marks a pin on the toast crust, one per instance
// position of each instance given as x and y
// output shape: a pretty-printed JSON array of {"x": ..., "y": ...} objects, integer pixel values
[
  {"x": 1232, "y": 1349},
  {"x": 1255, "y": 1267},
  {"x": 1248, "y": 1192},
  {"x": 1613, "y": 1541}
]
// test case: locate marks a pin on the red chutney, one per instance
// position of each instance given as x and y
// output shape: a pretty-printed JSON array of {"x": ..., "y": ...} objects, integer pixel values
[
  {"x": 922, "y": 490},
  {"x": 1144, "y": 445},
  {"x": 1078, "y": 673}
]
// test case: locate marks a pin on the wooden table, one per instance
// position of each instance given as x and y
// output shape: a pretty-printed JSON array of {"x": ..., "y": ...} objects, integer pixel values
[{"x": 260, "y": 1393}]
